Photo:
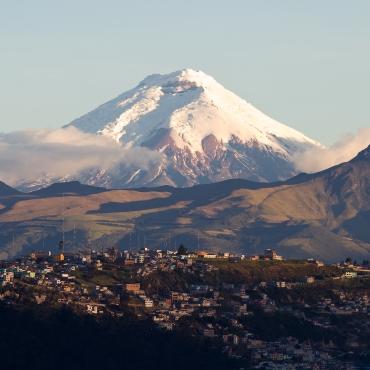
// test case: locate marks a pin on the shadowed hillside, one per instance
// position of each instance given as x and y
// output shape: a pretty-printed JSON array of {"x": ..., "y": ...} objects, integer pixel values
[{"x": 36, "y": 337}]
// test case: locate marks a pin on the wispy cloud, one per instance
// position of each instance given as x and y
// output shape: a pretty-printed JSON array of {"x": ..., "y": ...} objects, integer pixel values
[
  {"x": 31, "y": 154},
  {"x": 343, "y": 150}
]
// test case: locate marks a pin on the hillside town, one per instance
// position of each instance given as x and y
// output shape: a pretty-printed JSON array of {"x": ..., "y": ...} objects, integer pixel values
[{"x": 181, "y": 291}]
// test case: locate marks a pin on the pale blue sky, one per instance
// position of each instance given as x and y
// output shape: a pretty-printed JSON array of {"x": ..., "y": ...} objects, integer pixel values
[{"x": 303, "y": 62}]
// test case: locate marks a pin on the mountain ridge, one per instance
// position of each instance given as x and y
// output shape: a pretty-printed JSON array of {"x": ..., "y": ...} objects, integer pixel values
[
  {"x": 322, "y": 215},
  {"x": 6, "y": 190}
]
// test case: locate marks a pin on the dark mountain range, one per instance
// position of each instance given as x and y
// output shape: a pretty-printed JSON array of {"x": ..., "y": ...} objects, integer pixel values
[
  {"x": 67, "y": 188},
  {"x": 323, "y": 215},
  {"x": 6, "y": 190}
]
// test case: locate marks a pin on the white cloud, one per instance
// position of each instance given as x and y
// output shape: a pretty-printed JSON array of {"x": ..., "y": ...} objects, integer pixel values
[
  {"x": 343, "y": 150},
  {"x": 31, "y": 154}
]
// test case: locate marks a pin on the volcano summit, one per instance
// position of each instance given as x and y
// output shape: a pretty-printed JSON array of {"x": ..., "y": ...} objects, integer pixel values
[{"x": 204, "y": 132}]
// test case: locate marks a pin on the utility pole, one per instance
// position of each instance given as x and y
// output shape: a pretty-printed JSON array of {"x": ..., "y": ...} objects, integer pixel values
[
  {"x": 74, "y": 236},
  {"x": 63, "y": 216}
]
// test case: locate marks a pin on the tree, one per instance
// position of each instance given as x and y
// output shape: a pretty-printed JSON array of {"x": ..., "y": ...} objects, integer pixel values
[{"x": 182, "y": 250}]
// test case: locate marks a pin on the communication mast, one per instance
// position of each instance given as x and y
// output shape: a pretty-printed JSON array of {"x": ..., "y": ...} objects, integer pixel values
[{"x": 60, "y": 256}]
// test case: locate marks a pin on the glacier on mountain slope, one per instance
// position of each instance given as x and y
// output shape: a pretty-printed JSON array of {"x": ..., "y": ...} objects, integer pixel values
[
  {"x": 204, "y": 132},
  {"x": 192, "y": 105}
]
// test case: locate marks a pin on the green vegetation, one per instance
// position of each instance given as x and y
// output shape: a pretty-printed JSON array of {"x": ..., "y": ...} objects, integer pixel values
[
  {"x": 245, "y": 272},
  {"x": 281, "y": 325},
  {"x": 252, "y": 272},
  {"x": 106, "y": 277},
  {"x": 182, "y": 250},
  {"x": 162, "y": 282},
  {"x": 322, "y": 289}
]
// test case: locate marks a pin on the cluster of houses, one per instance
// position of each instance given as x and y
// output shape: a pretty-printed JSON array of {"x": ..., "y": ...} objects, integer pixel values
[{"x": 218, "y": 312}]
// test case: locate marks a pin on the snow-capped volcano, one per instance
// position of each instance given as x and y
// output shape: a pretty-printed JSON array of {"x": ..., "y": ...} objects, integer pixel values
[{"x": 205, "y": 132}]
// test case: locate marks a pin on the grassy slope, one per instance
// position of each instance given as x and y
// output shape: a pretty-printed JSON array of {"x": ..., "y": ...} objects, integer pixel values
[
  {"x": 301, "y": 220},
  {"x": 246, "y": 272}
]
